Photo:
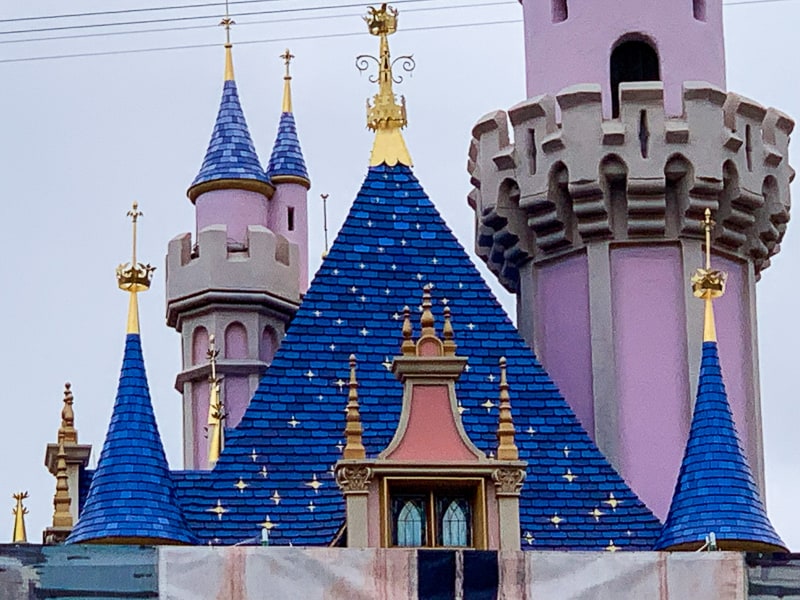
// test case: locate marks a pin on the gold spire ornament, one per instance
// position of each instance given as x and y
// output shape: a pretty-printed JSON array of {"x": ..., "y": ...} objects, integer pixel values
[
  {"x": 62, "y": 515},
  {"x": 216, "y": 412},
  {"x": 385, "y": 115},
  {"x": 507, "y": 447},
  {"x": 287, "y": 57},
  {"x": 226, "y": 22},
  {"x": 708, "y": 283},
  {"x": 134, "y": 277},
  {"x": 19, "y": 535},
  {"x": 67, "y": 432},
  {"x": 354, "y": 447}
]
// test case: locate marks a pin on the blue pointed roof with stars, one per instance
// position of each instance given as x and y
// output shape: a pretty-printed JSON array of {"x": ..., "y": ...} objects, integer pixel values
[
  {"x": 131, "y": 498},
  {"x": 231, "y": 160},
  {"x": 287, "y": 158},
  {"x": 716, "y": 491},
  {"x": 277, "y": 465}
]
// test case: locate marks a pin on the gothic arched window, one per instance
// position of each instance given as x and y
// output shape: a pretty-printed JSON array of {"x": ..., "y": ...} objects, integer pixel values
[
  {"x": 409, "y": 522},
  {"x": 455, "y": 523}
]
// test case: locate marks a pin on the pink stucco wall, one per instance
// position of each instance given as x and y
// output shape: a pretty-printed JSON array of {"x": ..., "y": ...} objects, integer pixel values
[
  {"x": 653, "y": 390},
  {"x": 200, "y": 419},
  {"x": 237, "y": 397},
  {"x": 235, "y": 208},
  {"x": 563, "y": 332},
  {"x": 292, "y": 196},
  {"x": 578, "y": 50}
]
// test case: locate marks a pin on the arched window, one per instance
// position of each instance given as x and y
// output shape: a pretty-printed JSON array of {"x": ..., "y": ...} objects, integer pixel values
[
  {"x": 410, "y": 523},
  {"x": 199, "y": 345},
  {"x": 455, "y": 524},
  {"x": 268, "y": 345},
  {"x": 560, "y": 11},
  {"x": 634, "y": 60},
  {"x": 699, "y": 7},
  {"x": 235, "y": 341}
]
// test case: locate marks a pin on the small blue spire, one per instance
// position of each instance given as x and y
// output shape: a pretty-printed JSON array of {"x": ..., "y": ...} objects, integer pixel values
[
  {"x": 132, "y": 498},
  {"x": 231, "y": 160},
  {"x": 716, "y": 491},
  {"x": 287, "y": 160}
]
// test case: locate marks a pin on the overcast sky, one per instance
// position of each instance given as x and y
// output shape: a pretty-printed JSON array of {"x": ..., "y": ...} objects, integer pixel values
[{"x": 83, "y": 137}]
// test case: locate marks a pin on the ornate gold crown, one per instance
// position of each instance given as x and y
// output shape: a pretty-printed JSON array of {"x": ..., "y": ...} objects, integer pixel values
[
  {"x": 383, "y": 20},
  {"x": 135, "y": 278},
  {"x": 708, "y": 283}
]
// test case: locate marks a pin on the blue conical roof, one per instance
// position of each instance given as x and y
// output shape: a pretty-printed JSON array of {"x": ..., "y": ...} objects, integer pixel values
[
  {"x": 716, "y": 491},
  {"x": 231, "y": 157},
  {"x": 287, "y": 157},
  {"x": 132, "y": 496},
  {"x": 392, "y": 243}
]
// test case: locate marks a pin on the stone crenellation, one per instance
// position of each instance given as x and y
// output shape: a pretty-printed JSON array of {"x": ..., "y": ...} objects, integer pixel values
[{"x": 571, "y": 176}]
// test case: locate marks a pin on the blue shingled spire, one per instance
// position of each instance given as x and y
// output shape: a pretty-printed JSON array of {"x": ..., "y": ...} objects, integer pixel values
[
  {"x": 715, "y": 490},
  {"x": 277, "y": 463},
  {"x": 287, "y": 158},
  {"x": 132, "y": 497},
  {"x": 231, "y": 159}
]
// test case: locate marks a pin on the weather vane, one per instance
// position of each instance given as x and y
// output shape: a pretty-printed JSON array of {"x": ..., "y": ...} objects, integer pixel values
[
  {"x": 134, "y": 276},
  {"x": 226, "y": 22},
  {"x": 708, "y": 283}
]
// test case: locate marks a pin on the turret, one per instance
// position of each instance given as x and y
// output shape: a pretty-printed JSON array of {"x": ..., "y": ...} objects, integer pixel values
[
  {"x": 593, "y": 213},
  {"x": 288, "y": 211},
  {"x": 607, "y": 42},
  {"x": 238, "y": 280}
]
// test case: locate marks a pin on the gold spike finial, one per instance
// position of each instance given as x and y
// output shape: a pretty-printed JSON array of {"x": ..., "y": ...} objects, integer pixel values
[
  {"x": 408, "y": 347},
  {"x": 216, "y": 411},
  {"x": 134, "y": 277},
  {"x": 62, "y": 515},
  {"x": 226, "y": 22},
  {"x": 385, "y": 115},
  {"x": 507, "y": 447},
  {"x": 287, "y": 57},
  {"x": 19, "y": 536},
  {"x": 426, "y": 320},
  {"x": 449, "y": 345},
  {"x": 67, "y": 431},
  {"x": 708, "y": 283},
  {"x": 354, "y": 447}
]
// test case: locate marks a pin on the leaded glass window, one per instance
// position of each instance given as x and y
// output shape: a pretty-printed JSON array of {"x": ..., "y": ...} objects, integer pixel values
[{"x": 454, "y": 522}]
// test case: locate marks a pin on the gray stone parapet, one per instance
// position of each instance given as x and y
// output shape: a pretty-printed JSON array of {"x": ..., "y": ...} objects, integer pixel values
[{"x": 571, "y": 176}]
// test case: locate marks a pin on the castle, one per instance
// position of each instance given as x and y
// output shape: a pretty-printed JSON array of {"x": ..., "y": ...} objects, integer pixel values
[{"x": 390, "y": 402}]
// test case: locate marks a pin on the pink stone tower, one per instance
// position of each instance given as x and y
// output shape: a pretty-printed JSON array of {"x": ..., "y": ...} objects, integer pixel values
[
  {"x": 592, "y": 217},
  {"x": 240, "y": 280}
]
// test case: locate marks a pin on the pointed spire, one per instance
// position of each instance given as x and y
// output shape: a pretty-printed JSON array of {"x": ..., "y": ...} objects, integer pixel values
[
  {"x": 131, "y": 498},
  {"x": 507, "y": 447},
  {"x": 62, "y": 515},
  {"x": 427, "y": 320},
  {"x": 448, "y": 334},
  {"x": 715, "y": 493},
  {"x": 19, "y": 535},
  {"x": 385, "y": 115},
  {"x": 67, "y": 432},
  {"x": 408, "y": 347},
  {"x": 216, "y": 412},
  {"x": 231, "y": 161},
  {"x": 354, "y": 447},
  {"x": 287, "y": 164}
]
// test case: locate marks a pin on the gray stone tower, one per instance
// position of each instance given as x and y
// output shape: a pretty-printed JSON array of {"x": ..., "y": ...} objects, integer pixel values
[
  {"x": 588, "y": 204},
  {"x": 239, "y": 281}
]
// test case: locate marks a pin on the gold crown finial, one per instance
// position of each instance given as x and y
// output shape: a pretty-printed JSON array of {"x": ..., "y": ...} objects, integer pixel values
[
  {"x": 354, "y": 446},
  {"x": 134, "y": 277},
  {"x": 287, "y": 57},
  {"x": 216, "y": 411},
  {"x": 62, "y": 515},
  {"x": 227, "y": 22},
  {"x": 708, "y": 283},
  {"x": 19, "y": 535},
  {"x": 386, "y": 116},
  {"x": 427, "y": 320},
  {"x": 67, "y": 431},
  {"x": 507, "y": 447}
]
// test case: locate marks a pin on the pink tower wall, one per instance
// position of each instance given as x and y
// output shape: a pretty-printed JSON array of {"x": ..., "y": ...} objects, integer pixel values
[
  {"x": 235, "y": 208},
  {"x": 237, "y": 388},
  {"x": 292, "y": 195},
  {"x": 578, "y": 49}
]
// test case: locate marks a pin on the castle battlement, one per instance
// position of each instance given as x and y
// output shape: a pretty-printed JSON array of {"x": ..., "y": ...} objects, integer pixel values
[
  {"x": 265, "y": 265},
  {"x": 563, "y": 175}
]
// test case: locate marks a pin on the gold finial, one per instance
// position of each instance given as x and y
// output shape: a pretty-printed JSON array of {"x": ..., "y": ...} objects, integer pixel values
[
  {"x": 408, "y": 347},
  {"x": 448, "y": 334},
  {"x": 385, "y": 115},
  {"x": 226, "y": 22},
  {"x": 708, "y": 283},
  {"x": 325, "y": 221},
  {"x": 67, "y": 431},
  {"x": 426, "y": 320},
  {"x": 287, "y": 57},
  {"x": 134, "y": 277},
  {"x": 19, "y": 536},
  {"x": 354, "y": 447},
  {"x": 216, "y": 411},
  {"x": 62, "y": 515},
  {"x": 507, "y": 447}
]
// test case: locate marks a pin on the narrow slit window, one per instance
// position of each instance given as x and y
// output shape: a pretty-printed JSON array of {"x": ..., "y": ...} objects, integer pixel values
[
  {"x": 532, "y": 152},
  {"x": 644, "y": 134},
  {"x": 290, "y": 218},
  {"x": 748, "y": 147},
  {"x": 560, "y": 11},
  {"x": 699, "y": 7}
]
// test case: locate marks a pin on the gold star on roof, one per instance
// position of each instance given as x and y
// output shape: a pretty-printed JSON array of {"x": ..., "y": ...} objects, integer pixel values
[
  {"x": 596, "y": 513},
  {"x": 241, "y": 485},
  {"x": 528, "y": 538},
  {"x": 566, "y": 451},
  {"x": 569, "y": 476},
  {"x": 488, "y": 405},
  {"x": 612, "y": 502},
  {"x": 276, "y": 497},
  {"x": 253, "y": 455},
  {"x": 556, "y": 520},
  {"x": 268, "y": 524},
  {"x": 611, "y": 546},
  {"x": 293, "y": 422},
  {"x": 218, "y": 510},
  {"x": 461, "y": 408},
  {"x": 315, "y": 483},
  {"x": 311, "y": 506},
  {"x": 263, "y": 472}
]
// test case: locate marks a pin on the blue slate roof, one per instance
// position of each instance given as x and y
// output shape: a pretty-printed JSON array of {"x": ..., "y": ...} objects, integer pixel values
[
  {"x": 131, "y": 495},
  {"x": 287, "y": 157},
  {"x": 716, "y": 491},
  {"x": 231, "y": 154},
  {"x": 392, "y": 243}
]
